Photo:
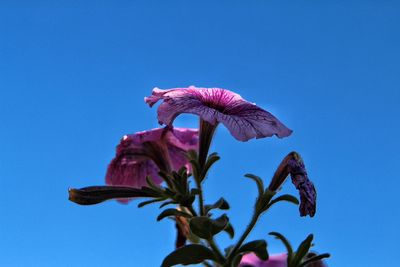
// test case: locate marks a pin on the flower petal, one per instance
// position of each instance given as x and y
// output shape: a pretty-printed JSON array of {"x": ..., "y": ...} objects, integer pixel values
[{"x": 123, "y": 172}]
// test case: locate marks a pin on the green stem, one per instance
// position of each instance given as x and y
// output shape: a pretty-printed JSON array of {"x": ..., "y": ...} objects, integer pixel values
[
  {"x": 244, "y": 236},
  {"x": 201, "y": 199},
  {"x": 216, "y": 250},
  {"x": 206, "y": 134}
]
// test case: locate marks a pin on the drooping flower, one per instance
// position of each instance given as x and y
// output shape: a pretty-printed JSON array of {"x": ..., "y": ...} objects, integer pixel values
[
  {"x": 293, "y": 164},
  {"x": 277, "y": 260},
  {"x": 243, "y": 119},
  {"x": 146, "y": 153}
]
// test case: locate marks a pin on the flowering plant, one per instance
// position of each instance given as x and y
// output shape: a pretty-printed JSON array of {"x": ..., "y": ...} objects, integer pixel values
[{"x": 159, "y": 165}]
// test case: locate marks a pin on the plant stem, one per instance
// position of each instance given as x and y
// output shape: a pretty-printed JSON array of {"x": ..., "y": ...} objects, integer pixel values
[
  {"x": 201, "y": 198},
  {"x": 206, "y": 134},
  {"x": 244, "y": 236},
  {"x": 216, "y": 250}
]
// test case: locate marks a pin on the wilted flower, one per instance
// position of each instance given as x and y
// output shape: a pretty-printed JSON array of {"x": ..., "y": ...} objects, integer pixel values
[
  {"x": 96, "y": 194},
  {"x": 146, "y": 153},
  {"x": 243, "y": 119},
  {"x": 293, "y": 164}
]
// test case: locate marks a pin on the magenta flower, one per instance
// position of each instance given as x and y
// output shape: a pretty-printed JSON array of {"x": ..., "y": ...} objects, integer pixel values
[
  {"x": 277, "y": 260},
  {"x": 251, "y": 260},
  {"x": 243, "y": 119},
  {"x": 146, "y": 153}
]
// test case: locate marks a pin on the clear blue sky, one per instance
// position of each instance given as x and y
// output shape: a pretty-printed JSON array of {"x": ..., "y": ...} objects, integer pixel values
[{"x": 73, "y": 75}]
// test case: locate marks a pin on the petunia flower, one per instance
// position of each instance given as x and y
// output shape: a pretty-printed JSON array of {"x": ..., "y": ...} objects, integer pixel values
[
  {"x": 243, "y": 119},
  {"x": 146, "y": 153},
  {"x": 251, "y": 260},
  {"x": 293, "y": 164},
  {"x": 277, "y": 260}
]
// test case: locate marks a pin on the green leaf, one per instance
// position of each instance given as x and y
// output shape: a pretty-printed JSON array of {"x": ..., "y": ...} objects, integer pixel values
[
  {"x": 167, "y": 203},
  {"x": 212, "y": 158},
  {"x": 287, "y": 197},
  {"x": 259, "y": 247},
  {"x": 302, "y": 251},
  {"x": 190, "y": 254},
  {"x": 205, "y": 227},
  {"x": 221, "y": 204},
  {"x": 285, "y": 242},
  {"x": 229, "y": 230},
  {"x": 166, "y": 178},
  {"x": 183, "y": 171},
  {"x": 152, "y": 185},
  {"x": 259, "y": 182},
  {"x": 236, "y": 260},
  {"x": 172, "y": 212},
  {"x": 144, "y": 203},
  {"x": 315, "y": 258}
]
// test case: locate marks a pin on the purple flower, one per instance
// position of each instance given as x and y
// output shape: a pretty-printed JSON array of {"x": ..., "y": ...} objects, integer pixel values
[
  {"x": 146, "y": 153},
  {"x": 251, "y": 260},
  {"x": 277, "y": 260},
  {"x": 243, "y": 119},
  {"x": 293, "y": 164}
]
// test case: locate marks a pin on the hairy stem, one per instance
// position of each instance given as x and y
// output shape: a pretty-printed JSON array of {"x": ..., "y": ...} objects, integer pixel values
[{"x": 243, "y": 237}]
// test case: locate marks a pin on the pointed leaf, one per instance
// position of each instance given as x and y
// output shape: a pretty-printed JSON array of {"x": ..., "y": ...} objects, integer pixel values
[
  {"x": 284, "y": 241},
  {"x": 144, "y": 203},
  {"x": 190, "y": 254},
  {"x": 287, "y": 197},
  {"x": 152, "y": 185},
  {"x": 230, "y": 231},
  {"x": 259, "y": 182},
  {"x": 259, "y": 247},
  {"x": 167, "y": 203},
  {"x": 212, "y": 158},
  {"x": 172, "y": 212},
  {"x": 314, "y": 259},
  {"x": 221, "y": 204},
  {"x": 205, "y": 227},
  {"x": 302, "y": 250}
]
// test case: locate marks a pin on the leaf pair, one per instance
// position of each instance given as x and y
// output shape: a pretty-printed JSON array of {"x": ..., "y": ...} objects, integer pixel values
[
  {"x": 205, "y": 227},
  {"x": 199, "y": 172},
  {"x": 299, "y": 258},
  {"x": 264, "y": 199},
  {"x": 258, "y": 247}
]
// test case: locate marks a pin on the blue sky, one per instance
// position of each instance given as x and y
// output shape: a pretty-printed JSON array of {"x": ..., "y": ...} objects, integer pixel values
[{"x": 73, "y": 75}]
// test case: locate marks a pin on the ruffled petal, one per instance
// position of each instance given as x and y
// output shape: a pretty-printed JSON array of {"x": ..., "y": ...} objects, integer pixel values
[
  {"x": 184, "y": 138},
  {"x": 125, "y": 172},
  {"x": 139, "y": 138},
  {"x": 179, "y": 142},
  {"x": 243, "y": 119}
]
